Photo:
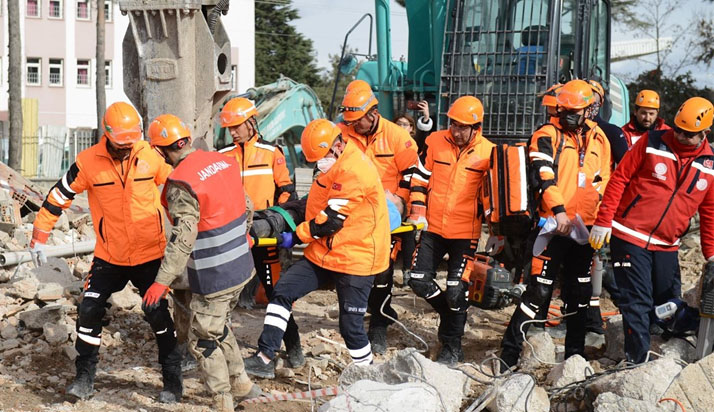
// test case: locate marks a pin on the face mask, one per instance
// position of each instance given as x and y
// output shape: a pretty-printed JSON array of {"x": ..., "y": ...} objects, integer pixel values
[
  {"x": 325, "y": 164},
  {"x": 571, "y": 121},
  {"x": 594, "y": 110}
]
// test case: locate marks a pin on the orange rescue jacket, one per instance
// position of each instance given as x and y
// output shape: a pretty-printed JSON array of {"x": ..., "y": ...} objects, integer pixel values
[
  {"x": 349, "y": 203},
  {"x": 448, "y": 181},
  {"x": 264, "y": 172},
  {"x": 573, "y": 169},
  {"x": 392, "y": 150},
  {"x": 124, "y": 202}
]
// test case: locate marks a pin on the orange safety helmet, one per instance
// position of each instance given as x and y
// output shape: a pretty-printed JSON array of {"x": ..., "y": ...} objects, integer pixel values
[
  {"x": 575, "y": 95},
  {"x": 236, "y": 111},
  {"x": 597, "y": 88},
  {"x": 167, "y": 129},
  {"x": 648, "y": 99},
  {"x": 122, "y": 124},
  {"x": 357, "y": 103},
  {"x": 549, "y": 95},
  {"x": 317, "y": 139},
  {"x": 466, "y": 110},
  {"x": 694, "y": 115},
  {"x": 357, "y": 85}
]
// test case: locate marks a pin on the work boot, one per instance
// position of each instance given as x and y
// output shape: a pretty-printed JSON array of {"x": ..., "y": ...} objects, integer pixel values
[
  {"x": 223, "y": 402},
  {"x": 255, "y": 366},
  {"x": 83, "y": 385},
  {"x": 242, "y": 388},
  {"x": 451, "y": 352},
  {"x": 296, "y": 359},
  {"x": 173, "y": 384},
  {"x": 378, "y": 339}
]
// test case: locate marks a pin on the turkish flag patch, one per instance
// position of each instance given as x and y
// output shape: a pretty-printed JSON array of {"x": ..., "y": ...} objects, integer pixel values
[
  {"x": 709, "y": 163},
  {"x": 336, "y": 186},
  {"x": 281, "y": 160},
  {"x": 408, "y": 144}
]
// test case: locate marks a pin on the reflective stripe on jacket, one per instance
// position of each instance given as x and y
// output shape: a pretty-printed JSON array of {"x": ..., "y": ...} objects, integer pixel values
[
  {"x": 124, "y": 202},
  {"x": 221, "y": 256},
  {"x": 264, "y": 172},
  {"x": 654, "y": 192},
  {"x": 448, "y": 181},
  {"x": 346, "y": 218},
  {"x": 632, "y": 134},
  {"x": 576, "y": 184},
  {"x": 392, "y": 150}
]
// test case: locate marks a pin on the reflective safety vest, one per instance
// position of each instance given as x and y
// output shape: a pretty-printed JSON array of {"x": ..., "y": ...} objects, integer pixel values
[{"x": 221, "y": 256}]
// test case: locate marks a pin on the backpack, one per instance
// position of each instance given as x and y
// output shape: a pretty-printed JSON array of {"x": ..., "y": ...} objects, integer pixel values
[{"x": 511, "y": 192}]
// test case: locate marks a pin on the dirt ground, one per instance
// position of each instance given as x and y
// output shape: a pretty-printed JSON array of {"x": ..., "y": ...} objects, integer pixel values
[{"x": 34, "y": 375}]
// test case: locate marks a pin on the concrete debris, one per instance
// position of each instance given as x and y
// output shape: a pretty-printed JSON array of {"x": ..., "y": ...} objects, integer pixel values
[
  {"x": 126, "y": 299},
  {"x": 647, "y": 382},
  {"x": 370, "y": 396},
  {"x": 36, "y": 319},
  {"x": 55, "y": 270},
  {"x": 694, "y": 386},
  {"x": 676, "y": 348},
  {"x": 8, "y": 332},
  {"x": 610, "y": 402},
  {"x": 409, "y": 366},
  {"x": 54, "y": 333},
  {"x": 25, "y": 289},
  {"x": 50, "y": 292},
  {"x": 513, "y": 392},
  {"x": 321, "y": 348},
  {"x": 543, "y": 350},
  {"x": 574, "y": 369}
]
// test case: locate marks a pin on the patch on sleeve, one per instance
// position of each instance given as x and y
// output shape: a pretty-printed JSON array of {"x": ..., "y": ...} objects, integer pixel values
[
  {"x": 336, "y": 186},
  {"x": 408, "y": 144},
  {"x": 280, "y": 160}
]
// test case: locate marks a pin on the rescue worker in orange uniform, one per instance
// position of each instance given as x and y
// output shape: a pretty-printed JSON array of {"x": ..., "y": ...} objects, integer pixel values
[
  {"x": 346, "y": 228},
  {"x": 210, "y": 236},
  {"x": 394, "y": 153},
  {"x": 645, "y": 118},
  {"x": 444, "y": 196},
  {"x": 572, "y": 158},
  {"x": 121, "y": 174},
  {"x": 266, "y": 179}
]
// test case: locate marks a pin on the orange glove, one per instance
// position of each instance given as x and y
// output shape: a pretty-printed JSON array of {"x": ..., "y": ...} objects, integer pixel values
[{"x": 153, "y": 296}]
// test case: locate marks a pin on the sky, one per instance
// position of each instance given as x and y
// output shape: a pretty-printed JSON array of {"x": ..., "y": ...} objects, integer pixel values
[{"x": 327, "y": 21}]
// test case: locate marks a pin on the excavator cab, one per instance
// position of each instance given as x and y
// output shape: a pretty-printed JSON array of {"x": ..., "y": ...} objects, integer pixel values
[{"x": 508, "y": 51}]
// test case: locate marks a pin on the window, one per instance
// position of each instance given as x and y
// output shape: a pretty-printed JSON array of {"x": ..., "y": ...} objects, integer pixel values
[
  {"x": 83, "y": 77},
  {"x": 108, "y": 7},
  {"x": 83, "y": 10},
  {"x": 34, "y": 71},
  {"x": 234, "y": 77},
  {"x": 32, "y": 8},
  {"x": 108, "y": 73},
  {"x": 55, "y": 11},
  {"x": 56, "y": 72}
]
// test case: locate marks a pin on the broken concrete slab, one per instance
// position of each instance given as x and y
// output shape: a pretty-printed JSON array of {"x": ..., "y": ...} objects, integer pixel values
[
  {"x": 694, "y": 386},
  {"x": 54, "y": 333},
  {"x": 9, "y": 332},
  {"x": 574, "y": 369},
  {"x": 321, "y": 348},
  {"x": 610, "y": 402},
  {"x": 36, "y": 319},
  {"x": 512, "y": 394},
  {"x": 126, "y": 299},
  {"x": 55, "y": 270},
  {"x": 50, "y": 292},
  {"x": 542, "y": 350},
  {"x": 677, "y": 348},
  {"x": 408, "y": 365},
  {"x": 371, "y": 396},
  {"x": 646, "y": 382},
  {"x": 24, "y": 288}
]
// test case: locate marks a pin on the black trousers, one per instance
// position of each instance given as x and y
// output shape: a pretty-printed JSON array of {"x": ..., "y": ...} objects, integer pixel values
[
  {"x": 576, "y": 263},
  {"x": 302, "y": 278},
  {"x": 430, "y": 252},
  {"x": 267, "y": 267},
  {"x": 645, "y": 279},
  {"x": 104, "y": 279}
]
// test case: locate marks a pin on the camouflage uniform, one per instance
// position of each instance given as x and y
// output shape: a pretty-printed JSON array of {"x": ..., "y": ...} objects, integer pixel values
[{"x": 210, "y": 315}]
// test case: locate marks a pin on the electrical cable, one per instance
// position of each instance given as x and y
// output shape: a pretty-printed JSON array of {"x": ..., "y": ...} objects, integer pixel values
[{"x": 381, "y": 310}]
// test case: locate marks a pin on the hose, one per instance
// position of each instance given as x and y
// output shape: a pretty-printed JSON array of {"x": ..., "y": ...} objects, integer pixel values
[{"x": 220, "y": 7}]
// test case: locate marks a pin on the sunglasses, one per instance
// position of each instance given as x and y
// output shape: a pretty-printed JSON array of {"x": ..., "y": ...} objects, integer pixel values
[{"x": 685, "y": 133}]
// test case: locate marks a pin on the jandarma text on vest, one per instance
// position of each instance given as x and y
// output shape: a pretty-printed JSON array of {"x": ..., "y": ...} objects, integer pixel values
[{"x": 212, "y": 169}]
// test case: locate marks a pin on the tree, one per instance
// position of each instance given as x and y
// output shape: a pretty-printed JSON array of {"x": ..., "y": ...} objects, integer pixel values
[
  {"x": 279, "y": 48},
  {"x": 15, "y": 81},
  {"x": 101, "y": 73},
  {"x": 327, "y": 81},
  {"x": 673, "y": 90},
  {"x": 704, "y": 40}
]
